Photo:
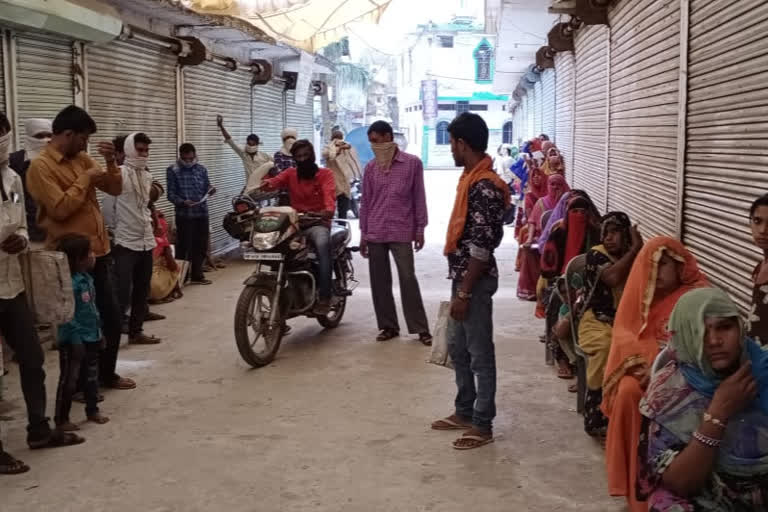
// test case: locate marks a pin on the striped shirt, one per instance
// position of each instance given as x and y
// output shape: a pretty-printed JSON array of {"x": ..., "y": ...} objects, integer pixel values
[{"x": 394, "y": 204}]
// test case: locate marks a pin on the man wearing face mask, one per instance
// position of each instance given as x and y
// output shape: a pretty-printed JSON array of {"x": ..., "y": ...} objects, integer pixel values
[
  {"x": 312, "y": 190},
  {"x": 256, "y": 163},
  {"x": 134, "y": 238},
  {"x": 392, "y": 220},
  {"x": 38, "y": 134},
  {"x": 64, "y": 180},
  {"x": 284, "y": 157}
]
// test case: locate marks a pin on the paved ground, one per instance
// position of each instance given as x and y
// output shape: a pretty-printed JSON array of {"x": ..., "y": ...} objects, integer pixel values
[{"x": 337, "y": 423}]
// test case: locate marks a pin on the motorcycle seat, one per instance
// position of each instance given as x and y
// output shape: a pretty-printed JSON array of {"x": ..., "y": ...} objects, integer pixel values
[{"x": 339, "y": 235}]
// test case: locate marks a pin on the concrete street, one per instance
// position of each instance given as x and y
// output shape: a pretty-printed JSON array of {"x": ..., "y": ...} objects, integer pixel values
[{"x": 337, "y": 423}]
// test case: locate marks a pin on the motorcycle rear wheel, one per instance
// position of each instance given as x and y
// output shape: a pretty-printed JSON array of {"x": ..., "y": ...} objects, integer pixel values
[
  {"x": 333, "y": 318},
  {"x": 252, "y": 317}
]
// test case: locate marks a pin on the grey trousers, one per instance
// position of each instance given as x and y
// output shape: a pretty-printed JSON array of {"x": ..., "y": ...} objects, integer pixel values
[{"x": 381, "y": 287}]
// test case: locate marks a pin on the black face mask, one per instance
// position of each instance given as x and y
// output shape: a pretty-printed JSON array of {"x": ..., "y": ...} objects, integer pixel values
[{"x": 306, "y": 170}]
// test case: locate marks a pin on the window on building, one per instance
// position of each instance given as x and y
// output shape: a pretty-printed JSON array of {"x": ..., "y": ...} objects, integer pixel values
[
  {"x": 445, "y": 41},
  {"x": 483, "y": 62},
  {"x": 449, "y": 106},
  {"x": 441, "y": 132},
  {"x": 506, "y": 133},
  {"x": 461, "y": 107},
  {"x": 478, "y": 108}
]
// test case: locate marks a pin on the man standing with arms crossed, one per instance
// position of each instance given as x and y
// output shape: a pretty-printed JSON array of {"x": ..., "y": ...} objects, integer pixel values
[
  {"x": 474, "y": 232},
  {"x": 392, "y": 219}
]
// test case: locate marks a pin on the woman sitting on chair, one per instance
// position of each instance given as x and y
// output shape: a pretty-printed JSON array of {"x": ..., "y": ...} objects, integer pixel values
[
  {"x": 607, "y": 268},
  {"x": 705, "y": 416},
  {"x": 663, "y": 272}
]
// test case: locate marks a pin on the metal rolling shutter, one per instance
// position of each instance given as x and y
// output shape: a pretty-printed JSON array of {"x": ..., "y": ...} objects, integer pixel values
[
  {"x": 548, "y": 103},
  {"x": 267, "y": 115},
  {"x": 530, "y": 114},
  {"x": 538, "y": 108},
  {"x": 727, "y": 160},
  {"x": 300, "y": 117},
  {"x": 517, "y": 124},
  {"x": 132, "y": 88},
  {"x": 210, "y": 90},
  {"x": 2, "y": 77},
  {"x": 591, "y": 113},
  {"x": 644, "y": 105},
  {"x": 522, "y": 131},
  {"x": 565, "y": 92},
  {"x": 45, "y": 83}
]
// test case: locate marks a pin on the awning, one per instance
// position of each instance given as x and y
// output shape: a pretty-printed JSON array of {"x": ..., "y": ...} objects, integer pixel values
[{"x": 306, "y": 24}]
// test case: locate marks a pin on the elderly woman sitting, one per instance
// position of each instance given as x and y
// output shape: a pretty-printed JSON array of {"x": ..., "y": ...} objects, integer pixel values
[{"x": 705, "y": 434}]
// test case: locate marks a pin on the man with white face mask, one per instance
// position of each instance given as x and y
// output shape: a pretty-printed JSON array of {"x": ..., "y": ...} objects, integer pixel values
[
  {"x": 134, "y": 237},
  {"x": 256, "y": 163},
  {"x": 38, "y": 134},
  {"x": 283, "y": 157}
]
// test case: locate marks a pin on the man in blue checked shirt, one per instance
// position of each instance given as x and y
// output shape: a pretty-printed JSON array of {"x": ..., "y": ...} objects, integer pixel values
[{"x": 189, "y": 190}]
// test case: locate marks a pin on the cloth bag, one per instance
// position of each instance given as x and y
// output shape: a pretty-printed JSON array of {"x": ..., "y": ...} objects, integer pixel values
[
  {"x": 439, "y": 355},
  {"x": 48, "y": 284}
]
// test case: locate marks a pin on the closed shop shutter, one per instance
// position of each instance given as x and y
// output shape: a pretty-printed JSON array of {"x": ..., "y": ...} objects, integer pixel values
[
  {"x": 565, "y": 69},
  {"x": 727, "y": 150},
  {"x": 548, "y": 103},
  {"x": 517, "y": 124},
  {"x": 210, "y": 90},
  {"x": 2, "y": 77},
  {"x": 132, "y": 88},
  {"x": 45, "y": 83},
  {"x": 538, "y": 108},
  {"x": 591, "y": 113},
  {"x": 268, "y": 115},
  {"x": 644, "y": 105},
  {"x": 530, "y": 114},
  {"x": 523, "y": 126},
  {"x": 300, "y": 117}
]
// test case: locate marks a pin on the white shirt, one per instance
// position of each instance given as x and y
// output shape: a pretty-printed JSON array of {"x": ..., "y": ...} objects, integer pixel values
[
  {"x": 128, "y": 214},
  {"x": 13, "y": 220},
  {"x": 251, "y": 162}
]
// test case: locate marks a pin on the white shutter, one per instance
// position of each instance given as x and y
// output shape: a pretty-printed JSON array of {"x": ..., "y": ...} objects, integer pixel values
[
  {"x": 45, "y": 82},
  {"x": 548, "y": 103},
  {"x": 268, "y": 115},
  {"x": 517, "y": 124},
  {"x": 565, "y": 68},
  {"x": 210, "y": 90},
  {"x": 132, "y": 88},
  {"x": 530, "y": 114},
  {"x": 727, "y": 151},
  {"x": 644, "y": 105},
  {"x": 590, "y": 144},
  {"x": 301, "y": 117},
  {"x": 523, "y": 130},
  {"x": 2, "y": 78},
  {"x": 538, "y": 111}
]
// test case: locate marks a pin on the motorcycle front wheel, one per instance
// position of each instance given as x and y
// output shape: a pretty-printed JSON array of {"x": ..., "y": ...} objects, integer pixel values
[{"x": 257, "y": 341}]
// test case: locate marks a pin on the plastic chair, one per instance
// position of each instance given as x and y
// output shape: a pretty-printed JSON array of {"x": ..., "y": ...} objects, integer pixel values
[{"x": 577, "y": 265}]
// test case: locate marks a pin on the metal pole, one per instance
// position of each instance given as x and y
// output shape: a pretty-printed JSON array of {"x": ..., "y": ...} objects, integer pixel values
[{"x": 682, "y": 116}]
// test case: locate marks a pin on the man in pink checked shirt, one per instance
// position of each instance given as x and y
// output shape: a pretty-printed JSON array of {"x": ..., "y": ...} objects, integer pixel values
[{"x": 393, "y": 216}]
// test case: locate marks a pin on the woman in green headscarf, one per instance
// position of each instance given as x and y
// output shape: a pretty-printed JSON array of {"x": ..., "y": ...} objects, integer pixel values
[{"x": 705, "y": 440}]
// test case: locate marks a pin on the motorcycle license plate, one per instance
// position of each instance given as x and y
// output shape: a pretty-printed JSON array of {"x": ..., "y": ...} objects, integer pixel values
[{"x": 262, "y": 256}]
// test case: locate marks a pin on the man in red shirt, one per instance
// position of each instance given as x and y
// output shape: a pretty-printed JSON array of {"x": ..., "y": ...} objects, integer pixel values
[{"x": 311, "y": 190}]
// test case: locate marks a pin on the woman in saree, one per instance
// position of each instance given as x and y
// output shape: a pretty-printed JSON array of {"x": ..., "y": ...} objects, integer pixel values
[
  {"x": 704, "y": 444},
  {"x": 663, "y": 271},
  {"x": 538, "y": 195},
  {"x": 164, "y": 286},
  {"x": 553, "y": 161},
  {"x": 607, "y": 269}
]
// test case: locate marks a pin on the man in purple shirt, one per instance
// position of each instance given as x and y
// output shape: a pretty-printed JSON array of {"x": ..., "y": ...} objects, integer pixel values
[{"x": 393, "y": 216}]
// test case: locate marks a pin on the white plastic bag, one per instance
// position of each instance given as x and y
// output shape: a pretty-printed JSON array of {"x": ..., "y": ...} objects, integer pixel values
[{"x": 439, "y": 355}]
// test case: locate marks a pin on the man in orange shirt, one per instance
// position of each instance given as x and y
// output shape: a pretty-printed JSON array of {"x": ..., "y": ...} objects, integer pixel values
[
  {"x": 312, "y": 190},
  {"x": 63, "y": 180}
]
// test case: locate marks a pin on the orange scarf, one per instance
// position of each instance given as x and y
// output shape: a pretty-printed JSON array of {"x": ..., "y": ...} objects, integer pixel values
[{"x": 482, "y": 171}]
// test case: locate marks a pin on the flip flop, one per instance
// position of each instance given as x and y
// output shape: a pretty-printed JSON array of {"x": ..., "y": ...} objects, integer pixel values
[
  {"x": 449, "y": 424},
  {"x": 10, "y": 465},
  {"x": 121, "y": 383},
  {"x": 56, "y": 440},
  {"x": 387, "y": 334},
  {"x": 478, "y": 442}
]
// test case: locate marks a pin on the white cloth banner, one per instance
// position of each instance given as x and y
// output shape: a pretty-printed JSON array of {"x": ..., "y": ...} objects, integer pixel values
[{"x": 306, "y": 62}]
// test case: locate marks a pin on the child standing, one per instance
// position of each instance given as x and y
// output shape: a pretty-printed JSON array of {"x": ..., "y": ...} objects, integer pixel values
[{"x": 80, "y": 339}]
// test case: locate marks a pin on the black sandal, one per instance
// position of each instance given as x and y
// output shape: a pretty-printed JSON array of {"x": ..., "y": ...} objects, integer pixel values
[
  {"x": 10, "y": 465},
  {"x": 56, "y": 439},
  {"x": 426, "y": 339},
  {"x": 387, "y": 334}
]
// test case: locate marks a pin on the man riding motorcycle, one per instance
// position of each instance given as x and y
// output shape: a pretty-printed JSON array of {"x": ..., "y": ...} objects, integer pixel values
[{"x": 312, "y": 191}]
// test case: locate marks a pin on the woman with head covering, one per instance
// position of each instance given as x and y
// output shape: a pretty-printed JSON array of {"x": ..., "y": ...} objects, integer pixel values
[
  {"x": 529, "y": 257},
  {"x": 705, "y": 414},
  {"x": 608, "y": 266},
  {"x": 553, "y": 161},
  {"x": 663, "y": 271},
  {"x": 758, "y": 316}
]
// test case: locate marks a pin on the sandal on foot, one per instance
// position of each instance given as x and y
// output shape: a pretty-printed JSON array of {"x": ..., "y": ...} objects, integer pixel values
[
  {"x": 98, "y": 419},
  {"x": 68, "y": 427},
  {"x": 10, "y": 465},
  {"x": 573, "y": 388},
  {"x": 121, "y": 383},
  {"x": 470, "y": 440},
  {"x": 152, "y": 317},
  {"x": 426, "y": 339},
  {"x": 450, "y": 423},
  {"x": 57, "y": 439},
  {"x": 387, "y": 334},
  {"x": 565, "y": 374}
]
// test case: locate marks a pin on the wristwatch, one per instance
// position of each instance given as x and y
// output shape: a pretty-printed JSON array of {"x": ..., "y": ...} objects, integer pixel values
[{"x": 463, "y": 295}]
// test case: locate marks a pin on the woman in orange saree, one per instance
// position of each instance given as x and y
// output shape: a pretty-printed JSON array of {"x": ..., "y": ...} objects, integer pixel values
[{"x": 663, "y": 271}]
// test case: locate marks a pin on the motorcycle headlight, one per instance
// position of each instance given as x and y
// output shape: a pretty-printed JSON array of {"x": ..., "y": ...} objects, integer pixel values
[{"x": 265, "y": 241}]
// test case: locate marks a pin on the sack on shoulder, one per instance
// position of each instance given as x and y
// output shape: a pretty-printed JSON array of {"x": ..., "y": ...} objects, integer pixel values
[
  {"x": 439, "y": 355},
  {"x": 48, "y": 285}
]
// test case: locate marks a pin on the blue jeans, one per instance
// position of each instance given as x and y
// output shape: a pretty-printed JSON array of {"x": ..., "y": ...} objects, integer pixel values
[
  {"x": 470, "y": 344},
  {"x": 320, "y": 238}
]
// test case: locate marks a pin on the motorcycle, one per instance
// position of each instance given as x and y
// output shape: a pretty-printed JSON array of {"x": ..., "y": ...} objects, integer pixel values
[
  {"x": 283, "y": 283},
  {"x": 356, "y": 194}
]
